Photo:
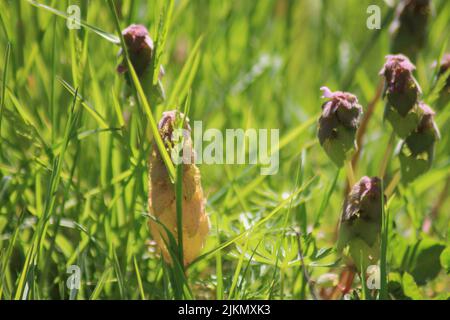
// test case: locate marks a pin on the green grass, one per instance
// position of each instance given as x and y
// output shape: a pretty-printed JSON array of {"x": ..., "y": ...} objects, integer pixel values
[{"x": 75, "y": 140}]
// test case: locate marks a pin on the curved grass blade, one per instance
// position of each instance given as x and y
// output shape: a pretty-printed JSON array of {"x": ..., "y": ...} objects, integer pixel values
[
  {"x": 105, "y": 35},
  {"x": 159, "y": 143}
]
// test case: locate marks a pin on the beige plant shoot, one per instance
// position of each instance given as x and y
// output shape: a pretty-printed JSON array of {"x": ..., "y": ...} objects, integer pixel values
[{"x": 162, "y": 199}]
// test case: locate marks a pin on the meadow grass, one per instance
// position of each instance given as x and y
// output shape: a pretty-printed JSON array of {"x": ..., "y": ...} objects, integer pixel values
[{"x": 75, "y": 140}]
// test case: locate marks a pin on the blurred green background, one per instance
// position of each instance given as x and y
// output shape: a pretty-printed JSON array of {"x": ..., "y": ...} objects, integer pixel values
[{"x": 260, "y": 65}]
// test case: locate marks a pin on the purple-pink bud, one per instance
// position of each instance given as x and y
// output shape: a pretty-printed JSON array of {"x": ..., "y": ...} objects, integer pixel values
[
  {"x": 360, "y": 223},
  {"x": 340, "y": 119},
  {"x": 364, "y": 200},
  {"x": 401, "y": 88},
  {"x": 409, "y": 29},
  {"x": 417, "y": 150},
  {"x": 140, "y": 49}
]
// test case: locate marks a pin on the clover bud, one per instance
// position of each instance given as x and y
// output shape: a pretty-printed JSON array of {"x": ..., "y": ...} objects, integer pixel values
[
  {"x": 162, "y": 197},
  {"x": 409, "y": 28},
  {"x": 360, "y": 224},
  {"x": 417, "y": 150},
  {"x": 340, "y": 119}
]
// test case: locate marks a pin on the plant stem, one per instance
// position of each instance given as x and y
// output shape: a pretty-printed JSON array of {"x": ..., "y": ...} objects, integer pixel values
[
  {"x": 306, "y": 276},
  {"x": 392, "y": 185},
  {"x": 365, "y": 121},
  {"x": 386, "y": 156},
  {"x": 350, "y": 173}
]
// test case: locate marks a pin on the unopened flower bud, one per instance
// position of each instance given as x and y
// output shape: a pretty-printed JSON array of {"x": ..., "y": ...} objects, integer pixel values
[
  {"x": 409, "y": 29},
  {"x": 340, "y": 119},
  {"x": 162, "y": 197},
  {"x": 417, "y": 150},
  {"x": 140, "y": 48},
  {"x": 401, "y": 88},
  {"x": 360, "y": 224}
]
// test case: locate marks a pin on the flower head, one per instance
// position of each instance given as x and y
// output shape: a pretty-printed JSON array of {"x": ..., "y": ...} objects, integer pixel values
[
  {"x": 340, "y": 119},
  {"x": 401, "y": 88},
  {"x": 360, "y": 224},
  {"x": 140, "y": 48},
  {"x": 409, "y": 29},
  {"x": 364, "y": 200},
  {"x": 417, "y": 150}
]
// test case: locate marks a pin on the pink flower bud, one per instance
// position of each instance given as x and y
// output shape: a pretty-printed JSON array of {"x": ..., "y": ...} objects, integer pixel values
[
  {"x": 409, "y": 29},
  {"x": 417, "y": 150},
  {"x": 140, "y": 48},
  {"x": 401, "y": 88},
  {"x": 340, "y": 119}
]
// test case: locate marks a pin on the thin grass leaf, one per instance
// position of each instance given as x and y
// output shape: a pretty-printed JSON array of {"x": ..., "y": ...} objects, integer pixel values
[
  {"x": 139, "y": 278},
  {"x": 160, "y": 144},
  {"x": 100, "y": 284},
  {"x": 259, "y": 223},
  {"x": 5, "y": 75},
  {"x": 186, "y": 76},
  {"x": 105, "y": 35}
]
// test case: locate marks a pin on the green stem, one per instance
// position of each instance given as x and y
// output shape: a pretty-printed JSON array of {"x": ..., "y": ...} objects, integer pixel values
[{"x": 350, "y": 173}]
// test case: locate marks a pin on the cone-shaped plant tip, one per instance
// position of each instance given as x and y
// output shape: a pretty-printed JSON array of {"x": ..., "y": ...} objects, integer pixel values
[
  {"x": 409, "y": 28},
  {"x": 360, "y": 223},
  {"x": 402, "y": 93},
  {"x": 162, "y": 197},
  {"x": 417, "y": 150},
  {"x": 340, "y": 119},
  {"x": 140, "y": 48}
]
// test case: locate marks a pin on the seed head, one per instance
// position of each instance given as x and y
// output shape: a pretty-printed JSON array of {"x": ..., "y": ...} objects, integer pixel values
[{"x": 341, "y": 116}]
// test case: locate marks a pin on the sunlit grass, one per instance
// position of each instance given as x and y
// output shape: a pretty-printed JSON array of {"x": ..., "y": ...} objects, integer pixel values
[{"x": 75, "y": 140}]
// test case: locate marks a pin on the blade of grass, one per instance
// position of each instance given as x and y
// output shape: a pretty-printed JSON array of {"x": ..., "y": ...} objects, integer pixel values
[
  {"x": 164, "y": 25},
  {"x": 5, "y": 75},
  {"x": 300, "y": 169},
  {"x": 108, "y": 36},
  {"x": 6, "y": 257},
  {"x": 39, "y": 234},
  {"x": 160, "y": 144},
  {"x": 179, "y": 209},
  {"x": 238, "y": 269},
  {"x": 139, "y": 279},
  {"x": 384, "y": 245},
  {"x": 186, "y": 76},
  {"x": 258, "y": 224},
  {"x": 100, "y": 284}
]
